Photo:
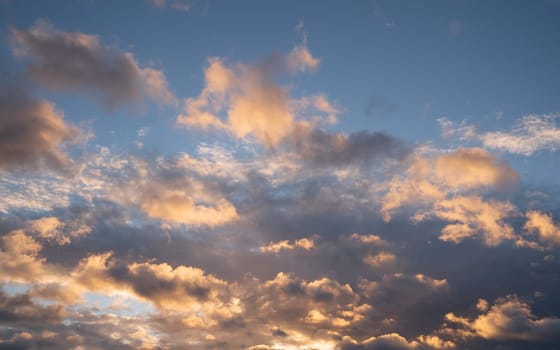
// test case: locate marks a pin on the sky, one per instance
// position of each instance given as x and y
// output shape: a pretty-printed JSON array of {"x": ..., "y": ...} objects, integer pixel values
[{"x": 327, "y": 175}]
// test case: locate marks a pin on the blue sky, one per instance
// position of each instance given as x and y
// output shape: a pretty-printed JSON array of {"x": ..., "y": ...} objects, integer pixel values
[{"x": 279, "y": 175}]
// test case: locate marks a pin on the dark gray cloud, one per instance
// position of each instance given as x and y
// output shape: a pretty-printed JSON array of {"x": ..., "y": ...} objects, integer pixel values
[
  {"x": 71, "y": 61},
  {"x": 22, "y": 309},
  {"x": 32, "y": 133},
  {"x": 334, "y": 149}
]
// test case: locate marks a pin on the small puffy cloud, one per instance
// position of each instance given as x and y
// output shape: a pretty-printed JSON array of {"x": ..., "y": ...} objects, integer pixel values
[
  {"x": 508, "y": 319},
  {"x": 33, "y": 134},
  {"x": 179, "y": 206},
  {"x": 543, "y": 226},
  {"x": 532, "y": 133},
  {"x": 482, "y": 305},
  {"x": 276, "y": 247},
  {"x": 368, "y": 239},
  {"x": 380, "y": 259},
  {"x": 72, "y": 61}
]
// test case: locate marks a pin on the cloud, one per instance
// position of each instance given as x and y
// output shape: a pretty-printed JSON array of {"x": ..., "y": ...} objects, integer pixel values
[
  {"x": 204, "y": 250},
  {"x": 74, "y": 61},
  {"x": 392, "y": 341},
  {"x": 435, "y": 342},
  {"x": 472, "y": 217},
  {"x": 177, "y": 205},
  {"x": 33, "y": 134},
  {"x": 245, "y": 101},
  {"x": 52, "y": 229},
  {"x": 508, "y": 319},
  {"x": 531, "y": 134},
  {"x": 276, "y": 247},
  {"x": 379, "y": 260},
  {"x": 176, "y": 288},
  {"x": 185, "y": 201},
  {"x": 401, "y": 289},
  {"x": 252, "y": 102},
  {"x": 301, "y": 60},
  {"x": 368, "y": 239},
  {"x": 448, "y": 187},
  {"x": 472, "y": 168},
  {"x": 542, "y": 224},
  {"x": 395, "y": 341},
  {"x": 337, "y": 149},
  {"x": 429, "y": 179},
  {"x": 319, "y": 304},
  {"x": 20, "y": 259},
  {"x": 168, "y": 189},
  {"x": 21, "y": 309}
]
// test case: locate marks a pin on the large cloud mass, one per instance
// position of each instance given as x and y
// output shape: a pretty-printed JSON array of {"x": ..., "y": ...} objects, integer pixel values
[{"x": 276, "y": 228}]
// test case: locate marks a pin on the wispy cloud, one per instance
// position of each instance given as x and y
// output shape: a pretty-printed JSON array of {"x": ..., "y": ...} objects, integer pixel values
[{"x": 531, "y": 134}]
